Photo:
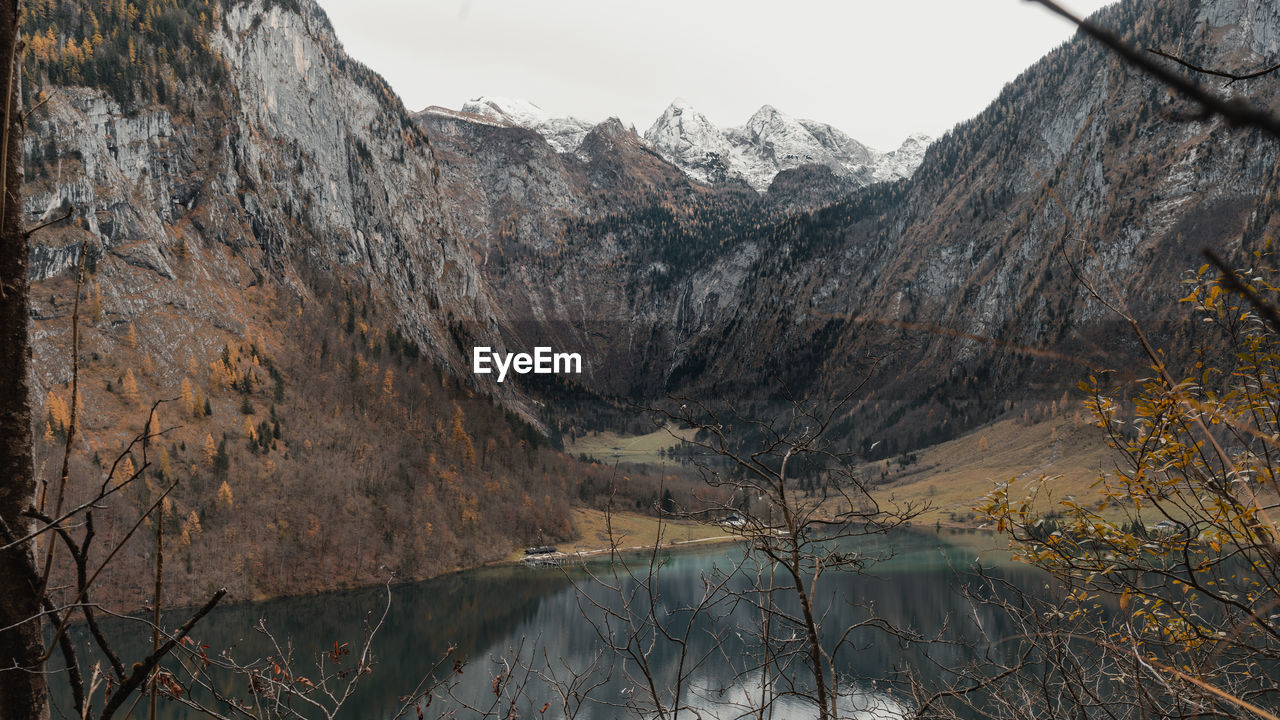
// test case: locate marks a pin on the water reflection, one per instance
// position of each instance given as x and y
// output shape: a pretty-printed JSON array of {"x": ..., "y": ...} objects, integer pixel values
[
  {"x": 536, "y": 617},
  {"x": 743, "y": 700}
]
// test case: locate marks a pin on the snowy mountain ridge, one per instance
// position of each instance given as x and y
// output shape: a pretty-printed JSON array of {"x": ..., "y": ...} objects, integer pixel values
[
  {"x": 770, "y": 142},
  {"x": 564, "y": 134}
]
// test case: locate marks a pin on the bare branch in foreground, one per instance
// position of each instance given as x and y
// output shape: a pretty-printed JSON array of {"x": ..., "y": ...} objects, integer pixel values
[
  {"x": 1237, "y": 112},
  {"x": 1232, "y": 78}
]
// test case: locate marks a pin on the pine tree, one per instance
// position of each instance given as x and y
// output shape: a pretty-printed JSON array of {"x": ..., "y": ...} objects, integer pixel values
[
  {"x": 95, "y": 305},
  {"x": 191, "y": 526},
  {"x": 210, "y": 449},
  {"x": 129, "y": 387},
  {"x": 221, "y": 460},
  {"x": 460, "y": 437},
  {"x": 124, "y": 471},
  {"x": 388, "y": 386},
  {"x": 225, "y": 499},
  {"x": 59, "y": 415},
  {"x": 188, "y": 398}
]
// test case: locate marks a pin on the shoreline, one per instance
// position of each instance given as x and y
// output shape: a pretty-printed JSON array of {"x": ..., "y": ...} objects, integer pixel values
[
  {"x": 577, "y": 555},
  {"x": 583, "y": 555}
]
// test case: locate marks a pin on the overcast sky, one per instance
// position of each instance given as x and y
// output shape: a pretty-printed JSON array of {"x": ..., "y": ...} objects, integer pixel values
[{"x": 877, "y": 69}]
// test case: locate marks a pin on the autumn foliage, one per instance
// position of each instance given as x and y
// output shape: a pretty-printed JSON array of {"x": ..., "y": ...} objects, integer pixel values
[
  {"x": 1171, "y": 569},
  {"x": 293, "y": 474}
]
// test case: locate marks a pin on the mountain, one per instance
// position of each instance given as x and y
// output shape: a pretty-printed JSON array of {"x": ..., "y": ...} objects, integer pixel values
[
  {"x": 769, "y": 143},
  {"x": 772, "y": 141},
  {"x": 564, "y": 134},
  {"x": 952, "y": 287},
  {"x": 901, "y": 163},
  {"x": 274, "y": 241},
  {"x": 267, "y": 250},
  {"x": 693, "y": 143},
  {"x": 962, "y": 283}
]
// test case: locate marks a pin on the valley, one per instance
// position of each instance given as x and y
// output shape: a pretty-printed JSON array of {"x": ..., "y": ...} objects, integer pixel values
[
  {"x": 269, "y": 233},
  {"x": 499, "y": 412}
]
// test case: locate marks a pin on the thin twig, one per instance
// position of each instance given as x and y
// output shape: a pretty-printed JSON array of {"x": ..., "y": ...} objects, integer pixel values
[
  {"x": 45, "y": 98},
  {"x": 1231, "y": 281},
  {"x": 143, "y": 669},
  {"x": 1232, "y": 77},
  {"x": 1237, "y": 112},
  {"x": 70, "y": 211},
  {"x": 65, "y": 476}
]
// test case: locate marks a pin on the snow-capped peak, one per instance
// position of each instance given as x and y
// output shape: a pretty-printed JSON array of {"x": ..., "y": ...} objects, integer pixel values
[
  {"x": 771, "y": 141},
  {"x": 766, "y": 117},
  {"x": 681, "y": 119},
  {"x": 511, "y": 110},
  {"x": 690, "y": 141},
  {"x": 563, "y": 133},
  {"x": 902, "y": 163}
]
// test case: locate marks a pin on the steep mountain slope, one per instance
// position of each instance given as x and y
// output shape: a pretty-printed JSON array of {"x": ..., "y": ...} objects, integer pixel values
[
  {"x": 958, "y": 284},
  {"x": 977, "y": 244},
  {"x": 311, "y": 157},
  {"x": 266, "y": 251}
]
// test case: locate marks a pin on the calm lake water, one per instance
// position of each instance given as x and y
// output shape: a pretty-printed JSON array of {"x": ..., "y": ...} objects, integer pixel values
[{"x": 540, "y": 616}]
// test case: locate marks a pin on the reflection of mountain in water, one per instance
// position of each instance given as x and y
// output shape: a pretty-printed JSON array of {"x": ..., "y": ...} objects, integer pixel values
[
  {"x": 743, "y": 699},
  {"x": 490, "y": 613}
]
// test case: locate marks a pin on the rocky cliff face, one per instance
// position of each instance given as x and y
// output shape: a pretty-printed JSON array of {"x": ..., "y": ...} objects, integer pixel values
[
  {"x": 337, "y": 150},
  {"x": 309, "y": 159}
]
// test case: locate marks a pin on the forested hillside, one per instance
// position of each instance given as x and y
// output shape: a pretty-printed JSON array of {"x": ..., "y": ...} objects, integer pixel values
[{"x": 289, "y": 292}]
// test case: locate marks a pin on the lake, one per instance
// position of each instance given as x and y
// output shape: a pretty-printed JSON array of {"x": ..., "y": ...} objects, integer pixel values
[{"x": 553, "y": 619}]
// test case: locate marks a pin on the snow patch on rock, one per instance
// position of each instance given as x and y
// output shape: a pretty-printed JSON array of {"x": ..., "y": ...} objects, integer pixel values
[{"x": 564, "y": 134}]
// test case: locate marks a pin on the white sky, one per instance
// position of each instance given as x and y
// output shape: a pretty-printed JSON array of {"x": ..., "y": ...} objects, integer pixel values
[{"x": 877, "y": 69}]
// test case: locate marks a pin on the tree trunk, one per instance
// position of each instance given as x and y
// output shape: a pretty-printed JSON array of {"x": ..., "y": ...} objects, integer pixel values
[{"x": 23, "y": 695}]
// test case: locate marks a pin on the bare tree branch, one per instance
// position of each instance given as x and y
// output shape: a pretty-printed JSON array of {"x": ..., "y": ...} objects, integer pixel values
[
  {"x": 142, "y": 671},
  {"x": 1237, "y": 112},
  {"x": 32, "y": 231},
  {"x": 1231, "y": 281},
  {"x": 1232, "y": 77}
]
